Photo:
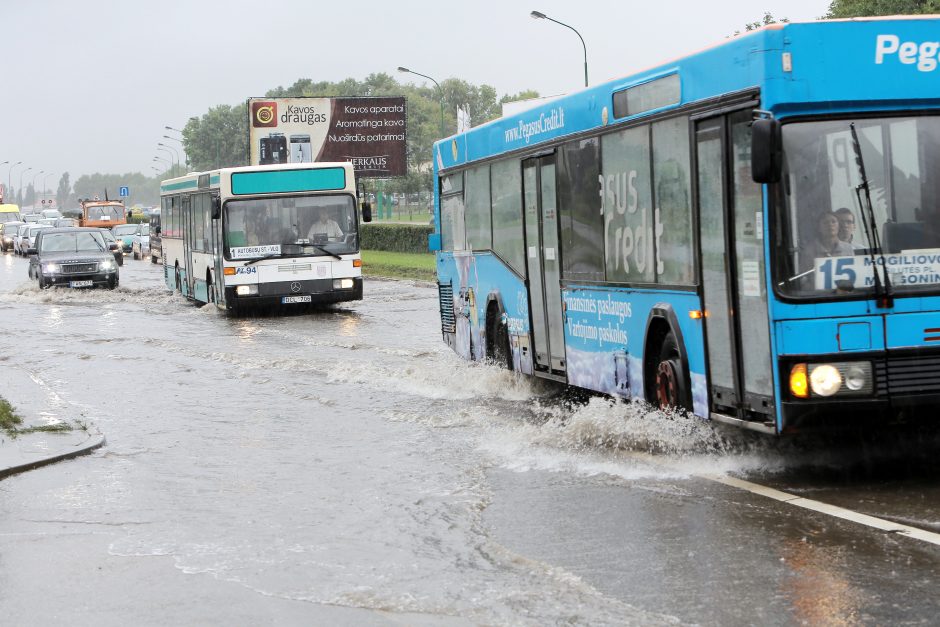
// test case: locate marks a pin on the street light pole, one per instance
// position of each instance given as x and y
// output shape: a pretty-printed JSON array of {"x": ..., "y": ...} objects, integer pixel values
[
  {"x": 10, "y": 176},
  {"x": 407, "y": 71},
  {"x": 536, "y": 15},
  {"x": 48, "y": 174},
  {"x": 4, "y": 191},
  {"x": 182, "y": 146},
  {"x": 20, "y": 188},
  {"x": 175, "y": 152},
  {"x": 34, "y": 188}
]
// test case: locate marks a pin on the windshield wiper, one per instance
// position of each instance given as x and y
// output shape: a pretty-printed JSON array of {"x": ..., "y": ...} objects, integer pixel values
[
  {"x": 883, "y": 295},
  {"x": 271, "y": 256},
  {"x": 323, "y": 250}
]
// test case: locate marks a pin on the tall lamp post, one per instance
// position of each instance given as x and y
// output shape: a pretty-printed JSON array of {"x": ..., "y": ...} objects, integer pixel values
[
  {"x": 169, "y": 163},
  {"x": 4, "y": 191},
  {"x": 20, "y": 188},
  {"x": 10, "y": 176},
  {"x": 536, "y": 15},
  {"x": 34, "y": 188},
  {"x": 175, "y": 153},
  {"x": 407, "y": 71},
  {"x": 182, "y": 146},
  {"x": 47, "y": 175}
]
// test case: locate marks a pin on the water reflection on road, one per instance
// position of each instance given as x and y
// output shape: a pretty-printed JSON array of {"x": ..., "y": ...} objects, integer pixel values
[{"x": 291, "y": 467}]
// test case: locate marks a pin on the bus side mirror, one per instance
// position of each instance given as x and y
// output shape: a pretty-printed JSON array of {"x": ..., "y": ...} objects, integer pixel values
[
  {"x": 216, "y": 208},
  {"x": 766, "y": 151},
  {"x": 366, "y": 211}
]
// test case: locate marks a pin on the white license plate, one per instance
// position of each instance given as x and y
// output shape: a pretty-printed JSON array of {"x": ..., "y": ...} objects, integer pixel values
[
  {"x": 81, "y": 283},
  {"x": 295, "y": 299}
]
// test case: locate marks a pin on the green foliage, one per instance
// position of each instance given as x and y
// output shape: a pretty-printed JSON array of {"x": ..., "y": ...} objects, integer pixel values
[
  {"x": 219, "y": 139},
  {"x": 144, "y": 190},
  {"x": 401, "y": 238},
  {"x": 767, "y": 20},
  {"x": 9, "y": 419},
  {"x": 867, "y": 8},
  {"x": 63, "y": 195}
]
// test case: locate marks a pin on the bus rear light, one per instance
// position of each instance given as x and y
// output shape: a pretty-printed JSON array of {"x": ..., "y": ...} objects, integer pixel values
[
  {"x": 357, "y": 263},
  {"x": 228, "y": 271},
  {"x": 799, "y": 385}
]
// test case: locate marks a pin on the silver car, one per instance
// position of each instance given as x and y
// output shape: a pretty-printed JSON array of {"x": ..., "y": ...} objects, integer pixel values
[{"x": 27, "y": 237}]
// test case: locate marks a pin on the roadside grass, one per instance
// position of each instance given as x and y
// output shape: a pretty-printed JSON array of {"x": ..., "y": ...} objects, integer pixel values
[
  {"x": 10, "y": 422},
  {"x": 399, "y": 265},
  {"x": 9, "y": 419}
]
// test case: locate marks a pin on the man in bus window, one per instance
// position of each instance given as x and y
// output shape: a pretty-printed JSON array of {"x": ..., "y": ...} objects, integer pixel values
[
  {"x": 324, "y": 229},
  {"x": 846, "y": 224}
]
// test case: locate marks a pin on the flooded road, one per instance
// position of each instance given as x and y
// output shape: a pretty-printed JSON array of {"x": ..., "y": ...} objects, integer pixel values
[{"x": 345, "y": 467}]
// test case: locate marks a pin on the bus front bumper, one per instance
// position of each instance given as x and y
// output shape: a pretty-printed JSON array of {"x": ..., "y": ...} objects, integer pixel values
[{"x": 293, "y": 294}]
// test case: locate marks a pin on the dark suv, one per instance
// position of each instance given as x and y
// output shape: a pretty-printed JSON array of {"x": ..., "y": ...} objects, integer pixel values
[{"x": 72, "y": 257}]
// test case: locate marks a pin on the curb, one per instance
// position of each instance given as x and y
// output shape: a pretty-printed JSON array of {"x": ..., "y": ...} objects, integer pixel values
[{"x": 92, "y": 443}]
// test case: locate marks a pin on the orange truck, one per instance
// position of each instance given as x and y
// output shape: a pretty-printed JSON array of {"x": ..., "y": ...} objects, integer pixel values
[{"x": 102, "y": 213}]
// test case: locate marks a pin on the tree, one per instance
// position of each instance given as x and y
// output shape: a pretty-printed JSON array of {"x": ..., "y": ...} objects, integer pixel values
[
  {"x": 218, "y": 139},
  {"x": 63, "y": 195},
  {"x": 867, "y": 8},
  {"x": 767, "y": 20}
]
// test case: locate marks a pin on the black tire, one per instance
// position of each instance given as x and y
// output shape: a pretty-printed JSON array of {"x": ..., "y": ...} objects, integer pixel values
[
  {"x": 136, "y": 256},
  {"x": 670, "y": 386},
  {"x": 113, "y": 282},
  {"x": 209, "y": 298},
  {"x": 43, "y": 284},
  {"x": 153, "y": 259},
  {"x": 497, "y": 340},
  {"x": 179, "y": 281}
]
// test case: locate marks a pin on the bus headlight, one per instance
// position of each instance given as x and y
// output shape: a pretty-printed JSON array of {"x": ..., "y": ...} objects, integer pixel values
[
  {"x": 844, "y": 378},
  {"x": 856, "y": 377},
  {"x": 342, "y": 284},
  {"x": 825, "y": 380},
  {"x": 246, "y": 290}
]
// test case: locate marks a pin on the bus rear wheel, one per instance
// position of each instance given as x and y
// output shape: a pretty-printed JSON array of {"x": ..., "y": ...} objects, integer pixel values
[
  {"x": 497, "y": 340},
  {"x": 670, "y": 385}
]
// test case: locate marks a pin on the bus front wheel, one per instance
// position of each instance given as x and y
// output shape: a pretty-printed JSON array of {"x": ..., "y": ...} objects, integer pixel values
[{"x": 670, "y": 384}]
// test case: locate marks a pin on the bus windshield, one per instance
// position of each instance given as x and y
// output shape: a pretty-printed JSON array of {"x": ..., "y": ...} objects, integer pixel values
[
  {"x": 290, "y": 227},
  {"x": 821, "y": 244}
]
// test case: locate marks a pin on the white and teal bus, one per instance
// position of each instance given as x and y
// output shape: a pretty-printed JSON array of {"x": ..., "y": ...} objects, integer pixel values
[{"x": 263, "y": 236}]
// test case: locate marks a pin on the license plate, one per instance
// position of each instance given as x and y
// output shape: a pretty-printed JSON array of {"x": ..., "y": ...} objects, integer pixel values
[
  {"x": 295, "y": 299},
  {"x": 81, "y": 283}
]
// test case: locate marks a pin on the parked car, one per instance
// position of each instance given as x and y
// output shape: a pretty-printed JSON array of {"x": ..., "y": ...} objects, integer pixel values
[
  {"x": 124, "y": 233},
  {"x": 140, "y": 242},
  {"x": 28, "y": 236},
  {"x": 7, "y": 233},
  {"x": 113, "y": 246},
  {"x": 16, "y": 232},
  {"x": 72, "y": 257}
]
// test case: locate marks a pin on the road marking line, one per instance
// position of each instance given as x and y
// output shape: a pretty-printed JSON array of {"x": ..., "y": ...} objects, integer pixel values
[{"x": 828, "y": 510}]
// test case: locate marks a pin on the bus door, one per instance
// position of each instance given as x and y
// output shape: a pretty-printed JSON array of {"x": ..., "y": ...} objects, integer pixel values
[
  {"x": 188, "y": 234},
  {"x": 542, "y": 254},
  {"x": 731, "y": 220},
  {"x": 215, "y": 248}
]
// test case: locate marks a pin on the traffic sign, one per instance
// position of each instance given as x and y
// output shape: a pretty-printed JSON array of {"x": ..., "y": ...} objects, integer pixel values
[{"x": 124, "y": 191}]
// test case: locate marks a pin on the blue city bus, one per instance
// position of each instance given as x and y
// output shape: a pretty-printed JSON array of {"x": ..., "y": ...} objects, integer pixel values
[{"x": 750, "y": 233}]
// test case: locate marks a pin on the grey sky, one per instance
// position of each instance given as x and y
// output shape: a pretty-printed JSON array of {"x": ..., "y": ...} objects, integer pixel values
[{"x": 90, "y": 84}]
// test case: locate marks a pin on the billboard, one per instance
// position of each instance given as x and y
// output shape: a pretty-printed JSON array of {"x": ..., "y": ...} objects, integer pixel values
[{"x": 368, "y": 132}]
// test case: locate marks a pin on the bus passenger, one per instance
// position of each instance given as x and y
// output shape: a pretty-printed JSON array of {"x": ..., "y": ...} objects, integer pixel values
[
  {"x": 846, "y": 224},
  {"x": 827, "y": 243}
]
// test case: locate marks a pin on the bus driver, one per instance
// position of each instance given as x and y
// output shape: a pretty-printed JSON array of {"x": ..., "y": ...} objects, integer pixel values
[{"x": 324, "y": 228}]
